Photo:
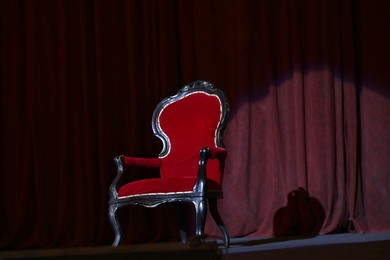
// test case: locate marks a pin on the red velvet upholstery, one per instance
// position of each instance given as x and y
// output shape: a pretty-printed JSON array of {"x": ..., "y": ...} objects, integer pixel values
[
  {"x": 190, "y": 124},
  {"x": 163, "y": 185},
  {"x": 188, "y": 130}
]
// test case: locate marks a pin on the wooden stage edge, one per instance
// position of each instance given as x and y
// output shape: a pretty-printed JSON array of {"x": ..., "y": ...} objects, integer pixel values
[
  {"x": 333, "y": 246},
  {"x": 172, "y": 250}
]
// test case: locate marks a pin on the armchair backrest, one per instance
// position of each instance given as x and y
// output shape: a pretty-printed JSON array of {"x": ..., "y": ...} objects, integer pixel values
[{"x": 192, "y": 119}]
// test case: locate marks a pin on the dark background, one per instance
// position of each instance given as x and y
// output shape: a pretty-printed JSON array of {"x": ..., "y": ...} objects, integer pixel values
[{"x": 308, "y": 137}]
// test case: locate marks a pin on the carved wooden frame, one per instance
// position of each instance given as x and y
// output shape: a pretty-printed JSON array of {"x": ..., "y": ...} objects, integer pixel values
[{"x": 199, "y": 196}]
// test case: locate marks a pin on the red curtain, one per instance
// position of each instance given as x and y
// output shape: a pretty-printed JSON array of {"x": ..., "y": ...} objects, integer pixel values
[{"x": 308, "y": 136}]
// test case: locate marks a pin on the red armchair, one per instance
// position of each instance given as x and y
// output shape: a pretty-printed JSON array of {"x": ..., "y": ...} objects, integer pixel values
[{"x": 190, "y": 125}]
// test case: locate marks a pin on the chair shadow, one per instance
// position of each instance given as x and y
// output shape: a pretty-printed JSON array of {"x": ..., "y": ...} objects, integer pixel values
[
  {"x": 303, "y": 215},
  {"x": 301, "y": 218}
]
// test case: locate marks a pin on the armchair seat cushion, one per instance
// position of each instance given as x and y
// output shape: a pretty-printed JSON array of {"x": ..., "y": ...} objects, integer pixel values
[{"x": 162, "y": 186}]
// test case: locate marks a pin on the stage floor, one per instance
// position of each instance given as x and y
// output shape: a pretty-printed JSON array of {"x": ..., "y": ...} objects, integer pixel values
[{"x": 333, "y": 246}]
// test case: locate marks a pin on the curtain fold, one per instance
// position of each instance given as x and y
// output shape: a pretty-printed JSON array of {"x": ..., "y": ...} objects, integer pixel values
[{"x": 307, "y": 138}]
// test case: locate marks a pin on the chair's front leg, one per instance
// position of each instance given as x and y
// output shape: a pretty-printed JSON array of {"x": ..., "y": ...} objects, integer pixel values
[
  {"x": 218, "y": 220},
  {"x": 201, "y": 212},
  {"x": 114, "y": 223}
]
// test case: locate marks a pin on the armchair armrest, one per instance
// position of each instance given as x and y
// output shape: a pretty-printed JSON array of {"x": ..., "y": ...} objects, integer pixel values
[
  {"x": 217, "y": 153},
  {"x": 205, "y": 154},
  {"x": 142, "y": 162},
  {"x": 122, "y": 161}
]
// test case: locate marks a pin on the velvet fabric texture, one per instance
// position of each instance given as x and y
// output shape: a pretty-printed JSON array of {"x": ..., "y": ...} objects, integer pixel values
[
  {"x": 189, "y": 124},
  {"x": 163, "y": 185},
  {"x": 189, "y": 130},
  {"x": 308, "y": 135}
]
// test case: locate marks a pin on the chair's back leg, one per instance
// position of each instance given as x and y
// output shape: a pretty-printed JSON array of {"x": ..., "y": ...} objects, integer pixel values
[
  {"x": 114, "y": 223},
  {"x": 182, "y": 223},
  {"x": 217, "y": 218}
]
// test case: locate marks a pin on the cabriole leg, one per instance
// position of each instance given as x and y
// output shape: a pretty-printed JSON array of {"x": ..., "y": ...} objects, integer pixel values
[
  {"x": 114, "y": 223},
  {"x": 217, "y": 218},
  {"x": 200, "y": 211}
]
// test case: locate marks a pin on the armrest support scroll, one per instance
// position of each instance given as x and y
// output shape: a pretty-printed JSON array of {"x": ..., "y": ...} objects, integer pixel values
[
  {"x": 119, "y": 167},
  {"x": 124, "y": 161},
  {"x": 207, "y": 153}
]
